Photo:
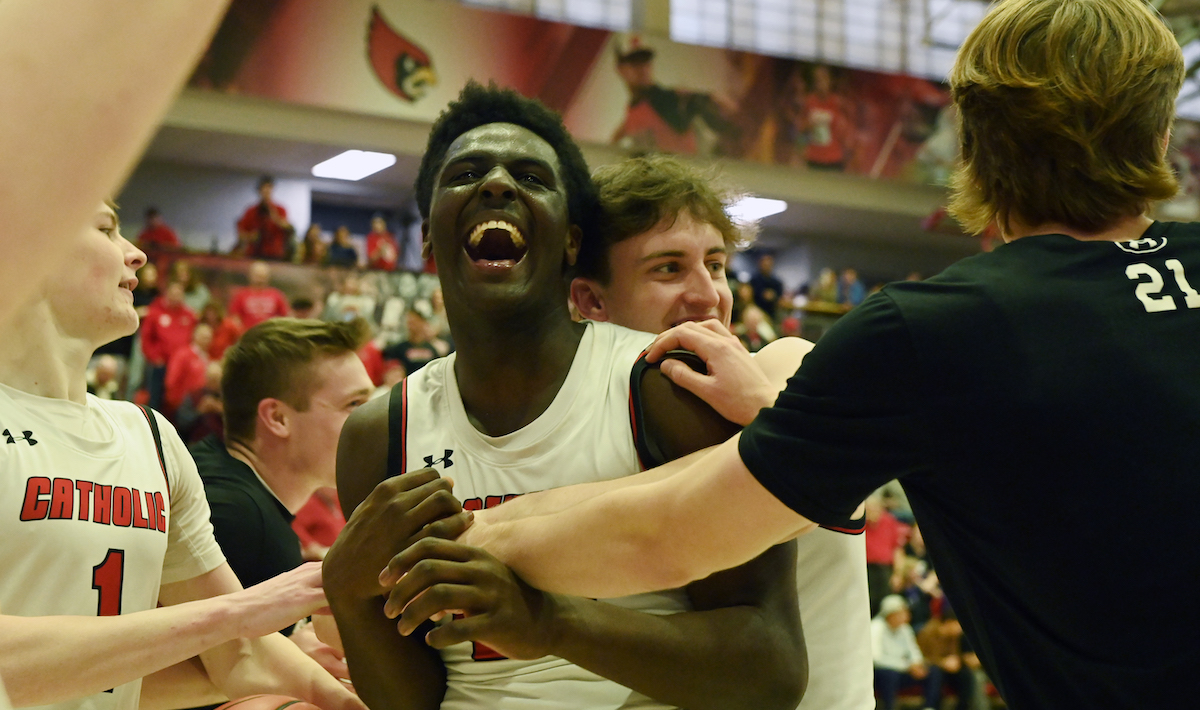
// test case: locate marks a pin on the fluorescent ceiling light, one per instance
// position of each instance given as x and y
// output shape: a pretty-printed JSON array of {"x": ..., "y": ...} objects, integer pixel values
[
  {"x": 752, "y": 209},
  {"x": 354, "y": 165}
]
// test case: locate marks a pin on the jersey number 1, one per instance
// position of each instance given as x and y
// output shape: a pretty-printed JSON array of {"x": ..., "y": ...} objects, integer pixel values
[{"x": 107, "y": 579}]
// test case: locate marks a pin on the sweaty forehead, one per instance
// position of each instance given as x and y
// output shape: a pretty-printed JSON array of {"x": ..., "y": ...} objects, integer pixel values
[{"x": 502, "y": 142}]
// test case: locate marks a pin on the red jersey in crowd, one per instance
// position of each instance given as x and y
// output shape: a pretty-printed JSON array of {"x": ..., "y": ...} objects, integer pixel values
[
  {"x": 160, "y": 236},
  {"x": 883, "y": 537},
  {"x": 224, "y": 335},
  {"x": 254, "y": 304},
  {"x": 382, "y": 251},
  {"x": 263, "y": 221},
  {"x": 372, "y": 359},
  {"x": 185, "y": 374},
  {"x": 166, "y": 328}
]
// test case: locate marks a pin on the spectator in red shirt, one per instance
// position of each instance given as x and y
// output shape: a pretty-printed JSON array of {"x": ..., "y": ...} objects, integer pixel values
[
  {"x": 225, "y": 331},
  {"x": 167, "y": 328},
  {"x": 264, "y": 231},
  {"x": 185, "y": 368},
  {"x": 156, "y": 235},
  {"x": 884, "y": 537},
  {"x": 202, "y": 413},
  {"x": 258, "y": 301},
  {"x": 382, "y": 249},
  {"x": 318, "y": 523}
]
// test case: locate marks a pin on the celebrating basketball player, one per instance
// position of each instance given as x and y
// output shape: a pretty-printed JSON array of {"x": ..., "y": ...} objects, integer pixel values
[
  {"x": 1039, "y": 402},
  {"x": 530, "y": 400}
]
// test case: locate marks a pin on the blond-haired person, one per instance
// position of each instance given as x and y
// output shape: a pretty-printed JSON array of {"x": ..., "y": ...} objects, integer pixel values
[{"x": 1039, "y": 403}]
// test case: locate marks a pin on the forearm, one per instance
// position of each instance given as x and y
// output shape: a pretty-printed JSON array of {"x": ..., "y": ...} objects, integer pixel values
[
  {"x": 703, "y": 660},
  {"x": 84, "y": 88},
  {"x": 711, "y": 516},
  {"x": 183, "y": 685},
  {"x": 389, "y": 671},
  {"x": 558, "y": 499},
  {"x": 49, "y": 659},
  {"x": 273, "y": 664}
]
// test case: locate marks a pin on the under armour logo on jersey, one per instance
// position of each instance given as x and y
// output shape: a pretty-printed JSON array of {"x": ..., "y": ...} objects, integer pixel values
[
  {"x": 27, "y": 437},
  {"x": 1145, "y": 245},
  {"x": 444, "y": 460}
]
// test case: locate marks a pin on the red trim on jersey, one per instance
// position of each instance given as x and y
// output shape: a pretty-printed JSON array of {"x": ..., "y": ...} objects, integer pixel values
[{"x": 848, "y": 531}]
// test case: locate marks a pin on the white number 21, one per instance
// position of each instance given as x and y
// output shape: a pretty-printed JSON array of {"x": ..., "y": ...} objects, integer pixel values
[{"x": 1147, "y": 290}]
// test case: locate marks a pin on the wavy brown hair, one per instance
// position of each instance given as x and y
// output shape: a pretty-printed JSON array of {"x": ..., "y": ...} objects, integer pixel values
[
  {"x": 638, "y": 194},
  {"x": 1063, "y": 109}
]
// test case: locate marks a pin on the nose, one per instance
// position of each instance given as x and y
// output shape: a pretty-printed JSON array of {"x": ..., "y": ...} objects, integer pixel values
[
  {"x": 498, "y": 183},
  {"x": 700, "y": 291},
  {"x": 135, "y": 258}
]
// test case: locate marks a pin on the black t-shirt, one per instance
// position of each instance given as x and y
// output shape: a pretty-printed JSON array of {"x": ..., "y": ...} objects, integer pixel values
[
  {"x": 252, "y": 527},
  {"x": 412, "y": 355},
  {"x": 1041, "y": 405}
]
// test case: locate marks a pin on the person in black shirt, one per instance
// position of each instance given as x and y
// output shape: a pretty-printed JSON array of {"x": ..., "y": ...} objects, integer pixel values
[
  {"x": 288, "y": 386},
  {"x": 1039, "y": 403}
]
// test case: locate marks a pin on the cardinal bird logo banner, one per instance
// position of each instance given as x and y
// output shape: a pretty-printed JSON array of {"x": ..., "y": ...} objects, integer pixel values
[{"x": 403, "y": 67}]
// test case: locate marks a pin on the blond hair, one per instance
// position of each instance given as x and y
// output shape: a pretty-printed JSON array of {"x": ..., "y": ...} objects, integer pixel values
[
  {"x": 275, "y": 359},
  {"x": 1063, "y": 109}
]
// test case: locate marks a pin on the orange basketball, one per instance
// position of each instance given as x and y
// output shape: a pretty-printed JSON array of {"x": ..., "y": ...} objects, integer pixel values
[{"x": 268, "y": 702}]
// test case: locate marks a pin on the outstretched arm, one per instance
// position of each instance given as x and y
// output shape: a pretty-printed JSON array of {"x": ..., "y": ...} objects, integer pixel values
[
  {"x": 50, "y": 659},
  {"x": 711, "y": 516},
  {"x": 83, "y": 89}
]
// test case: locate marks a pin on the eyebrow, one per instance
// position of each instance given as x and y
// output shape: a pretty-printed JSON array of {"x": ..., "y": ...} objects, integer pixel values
[
  {"x": 677, "y": 253},
  {"x": 477, "y": 157}
]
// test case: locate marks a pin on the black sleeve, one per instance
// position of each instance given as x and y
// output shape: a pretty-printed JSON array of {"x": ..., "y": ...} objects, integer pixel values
[
  {"x": 240, "y": 530},
  {"x": 845, "y": 424}
]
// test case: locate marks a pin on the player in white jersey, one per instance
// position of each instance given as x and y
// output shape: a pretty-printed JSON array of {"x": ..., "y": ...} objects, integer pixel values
[
  {"x": 530, "y": 400},
  {"x": 660, "y": 262},
  {"x": 103, "y": 518}
]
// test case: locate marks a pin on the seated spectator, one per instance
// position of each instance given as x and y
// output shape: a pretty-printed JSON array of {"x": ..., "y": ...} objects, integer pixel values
[
  {"x": 766, "y": 286},
  {"x": 104, "y": 377},
  {"x": 393, "y": 373},
  {"x": 342, "y": 251},
  {"x": 318, "y": 523},
  {"x": 826, "y": 288},
  {"x": 156, "y": 235},
  {"x": 382, "y": 249},
  {"x": 851, "y": 291},
  {"x": 349, "y": 301},
  {"x": 264, "y": 231},
  {"x": 440, "y": 324},
  {"x": 313, "y": 249},
  {"x": 754, "y": 328},
  {"x": 186, "y": 368},
  {"x": 259, "y": 301},
  {"x": 226, "y": 331},
  {"x": 916, "y": 580},
  {"x": 202, "y": 413},
  {"x": 195, "y": 293},
  {"x": 422, "y": 344},
  {"x": 898, "y": 660},
  {"x": 166, "y": 329},
  {"x": 941, "y": 645}
]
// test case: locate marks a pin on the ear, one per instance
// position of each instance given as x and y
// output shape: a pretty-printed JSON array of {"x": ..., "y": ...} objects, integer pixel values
[
  {"x": 588, "y": 297},
  {"x": 574, "y": 240},
  {"x": 426, "y": 246},
  {"x": 275, "y": 417}
]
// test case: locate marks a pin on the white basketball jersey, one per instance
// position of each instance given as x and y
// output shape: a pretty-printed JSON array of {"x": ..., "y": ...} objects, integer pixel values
[
  {"x": 92, "y": 524},
  {"x": 584, "y": 435}
]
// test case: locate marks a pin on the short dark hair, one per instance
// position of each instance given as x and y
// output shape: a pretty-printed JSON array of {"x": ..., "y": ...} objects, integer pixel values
[
  {"x": 478, "y": 106},
  {"x": 638, "y": 194},
  {"x": 266, "y": 180},
  {"x": 274, "y": 359},
  {"x": 152, "y": 212}
]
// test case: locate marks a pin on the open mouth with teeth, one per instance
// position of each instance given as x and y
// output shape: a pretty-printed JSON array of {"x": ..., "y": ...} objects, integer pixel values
[{"x": 497, "y": 243}]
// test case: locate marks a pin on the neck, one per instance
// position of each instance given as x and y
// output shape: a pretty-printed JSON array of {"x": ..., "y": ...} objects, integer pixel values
[
  {"x": 510, "y": 369},
  {"x": 35, "y": 357},
  {"x": 1126, "y": 229},
  {"x": 290, "y": 484}
]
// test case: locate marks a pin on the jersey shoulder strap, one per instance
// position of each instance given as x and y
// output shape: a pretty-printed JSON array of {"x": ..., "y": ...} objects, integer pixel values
[
  {"x": 397, "y": 428},
  {"x": 162, "y": 459}
]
